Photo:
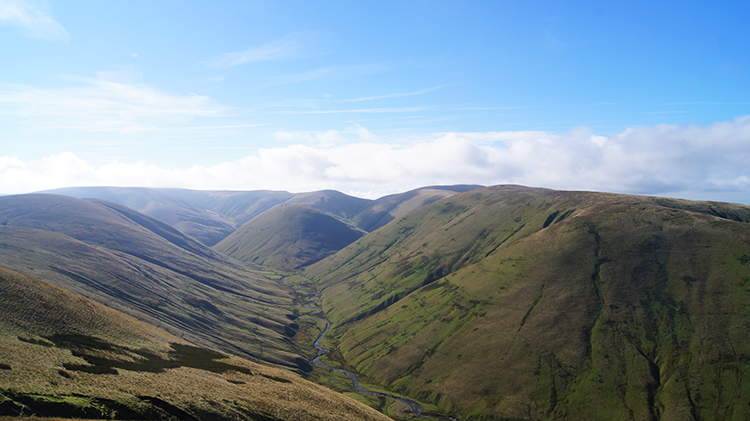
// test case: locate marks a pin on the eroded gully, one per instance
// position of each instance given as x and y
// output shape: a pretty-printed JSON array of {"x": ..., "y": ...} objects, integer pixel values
[{"x": 312, "y": 300}]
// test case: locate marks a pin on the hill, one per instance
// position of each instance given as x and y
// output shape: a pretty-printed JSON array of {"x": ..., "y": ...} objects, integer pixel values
[
  {"x": 65, "y": 356},
  {"x": 384, "y": 210},
  {"x": 518, "y": 303},
  {"x": 289, "y": 237},
  {"x": 210, "y": 216},
  {"x": 144, "y": 267},
  {"x": 200, "y": 223}
]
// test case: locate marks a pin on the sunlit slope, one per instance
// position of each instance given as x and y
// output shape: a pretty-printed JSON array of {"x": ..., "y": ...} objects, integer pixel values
[
  {"x": 145, "y": 268},
  {"x": 65, "y": 356},
  {"x": 332, "y": 202},
  {"x": 536, "y": 304},
  {"x": 289, "y": 237},
  {"x": 385, "y": 209}
]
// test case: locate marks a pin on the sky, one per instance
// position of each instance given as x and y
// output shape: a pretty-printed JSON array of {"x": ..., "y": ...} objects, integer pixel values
[{"x": 373, "y": 98}]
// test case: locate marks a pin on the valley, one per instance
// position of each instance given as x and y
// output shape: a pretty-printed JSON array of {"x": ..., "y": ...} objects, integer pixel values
[{"x": 455, "y": 302}]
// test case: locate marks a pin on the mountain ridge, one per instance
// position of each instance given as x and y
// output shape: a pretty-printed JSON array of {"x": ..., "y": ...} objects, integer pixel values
[{"x": 554, "y": 290}]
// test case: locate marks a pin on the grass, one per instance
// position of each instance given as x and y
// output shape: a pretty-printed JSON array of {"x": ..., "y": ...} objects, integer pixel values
[
  {"x": 73, "y": 358},
  {"x": 533, "y": 304},
  {"x": 141, "y": 266}
]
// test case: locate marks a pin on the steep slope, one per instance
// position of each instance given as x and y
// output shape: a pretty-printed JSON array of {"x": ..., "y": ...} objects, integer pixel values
[
  {"x": 146, "y": 268},
  {"x": 289, "y": 237},
  {"x": 202, "y": 224},
  {"x": 65, "y": 356},
  {"x": 384, "y": 210},
  {"x": 509, "y": 302}
]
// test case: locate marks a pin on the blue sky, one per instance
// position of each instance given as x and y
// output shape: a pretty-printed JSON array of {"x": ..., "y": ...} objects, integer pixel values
[{"x": 372, "y": 98}]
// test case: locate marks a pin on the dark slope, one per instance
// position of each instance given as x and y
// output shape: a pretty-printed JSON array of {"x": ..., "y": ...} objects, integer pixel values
[
  {"x": 509, "y": 302},
  {"x": 384, "y": 210},
  {"x": 65, "y": 356},
  {"x": 146, "y": 268},
  {"x": 289, "y": 237},
  {"x": 200, "y": 223}
]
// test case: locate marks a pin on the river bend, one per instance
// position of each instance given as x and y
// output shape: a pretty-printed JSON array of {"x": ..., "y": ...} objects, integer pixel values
[{"x": 313, "y": 300}]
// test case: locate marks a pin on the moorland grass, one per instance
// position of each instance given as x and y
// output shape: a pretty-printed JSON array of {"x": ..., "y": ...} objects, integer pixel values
[
  {"x": 158, "y": 376},
  {"x": 529, "y": 303}
]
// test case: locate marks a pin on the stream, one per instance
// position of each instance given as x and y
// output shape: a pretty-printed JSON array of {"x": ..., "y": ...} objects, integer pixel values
[{"x": 313, "y": 300}]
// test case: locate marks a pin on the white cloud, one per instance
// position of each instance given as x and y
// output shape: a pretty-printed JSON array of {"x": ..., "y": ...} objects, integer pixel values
[
  {"x": 114, "y": 101},
  {"x": 394, "y": 95},
  {"x": 327, "y": 138},
  {"x": 293, "y": 46},
  {"x": 674, "y": 160},
  {"x": 37, "y": 23}
]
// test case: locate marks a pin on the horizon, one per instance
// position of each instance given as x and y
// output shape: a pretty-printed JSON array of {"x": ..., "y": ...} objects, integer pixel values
[{"x": 372, "y": 100}]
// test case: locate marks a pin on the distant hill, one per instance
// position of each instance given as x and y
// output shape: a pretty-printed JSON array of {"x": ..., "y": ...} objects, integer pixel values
[
  {"x": 384, "y": 210},
  {"x": 144, "y": 267},
  {"x": 210, "y": 216},
  {"x": 200, "y": 223},
  {"x": 65, "y": 356},
  {"x": 517, "y": 303},
  {"x": 289, "y": 237},
  {"x": 337, "y": 204}
]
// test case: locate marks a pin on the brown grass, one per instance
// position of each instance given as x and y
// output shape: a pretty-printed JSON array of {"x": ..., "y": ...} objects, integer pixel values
[{"x": 204, "y": 384}]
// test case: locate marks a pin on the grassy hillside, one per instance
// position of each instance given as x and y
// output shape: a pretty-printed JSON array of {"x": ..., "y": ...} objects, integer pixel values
[
  {"x": 65, "y": 356},
  {"x": 509, "y": 302},
  {"x": 289, "y": 237},
  {"x": 384, "y": 210},
  {"x": 332, "y": 202},
  {"x": 210, "y": 216},
  {"x": 200, "y": 223},
  {"x": 145, "y": 268}
]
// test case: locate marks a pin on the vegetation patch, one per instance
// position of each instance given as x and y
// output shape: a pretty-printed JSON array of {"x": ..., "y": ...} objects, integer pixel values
[
  {"x": 68, "y": 406},
  {"x": 105, "y": 358}
]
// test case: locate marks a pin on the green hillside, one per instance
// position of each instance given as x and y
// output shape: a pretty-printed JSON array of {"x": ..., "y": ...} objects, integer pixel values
[
  {"x": 337, "y": 204},
  {"x": 145, "y": 268},
  {"x": 289, "y": 237},
  {"x": 385, "y": 209},
  {"x": 65, "y": 356},
  {"x": 518, "y": 303}
]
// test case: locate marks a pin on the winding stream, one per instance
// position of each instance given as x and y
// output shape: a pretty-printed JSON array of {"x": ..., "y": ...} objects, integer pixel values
[{"x": 313, "y": 300}]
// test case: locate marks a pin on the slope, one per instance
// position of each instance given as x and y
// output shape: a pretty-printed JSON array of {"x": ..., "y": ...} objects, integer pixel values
[
  {"x": 146, "y": 268},
  {"x": 203, "y": 225},
  {"x": 384, "y": 210},
  {"x": 509, "y": 302},
  {"x": 210, "y": 216},
  {"x": 289, "y": 237},
  {"x": 65, "y": 356},
  {"x": 337, "y": 204}
]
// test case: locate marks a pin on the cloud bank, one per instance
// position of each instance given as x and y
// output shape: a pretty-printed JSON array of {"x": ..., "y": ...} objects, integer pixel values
[
  {"x": 710, "y": 162},
  {"x": 36, "y": 23}
]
